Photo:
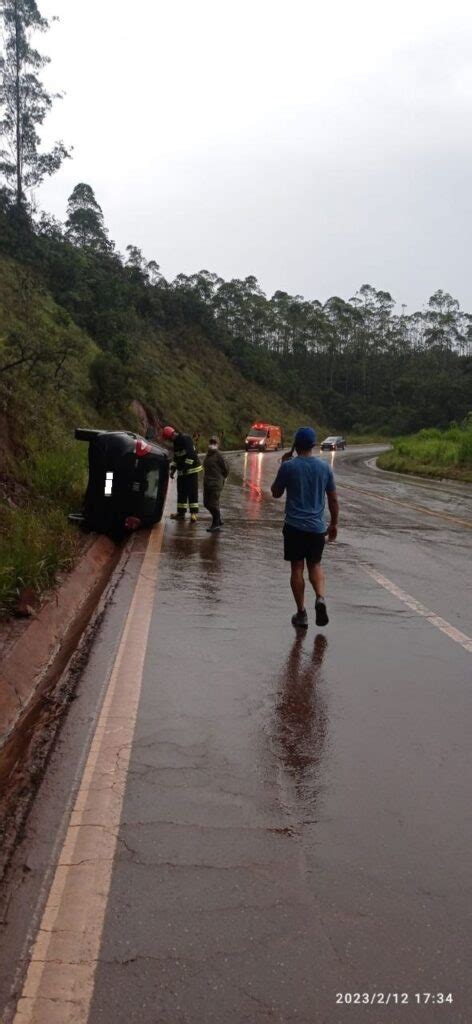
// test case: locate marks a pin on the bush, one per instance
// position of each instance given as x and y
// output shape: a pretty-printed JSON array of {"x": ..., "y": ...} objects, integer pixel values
[
  {"x": 110, "y": 384},
  {"x": 465, "y": 449},
  {"x": 429, "y": 433}
]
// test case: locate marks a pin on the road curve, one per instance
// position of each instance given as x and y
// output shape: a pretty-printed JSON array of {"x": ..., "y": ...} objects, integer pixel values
[{"x": 240, "y": 824}]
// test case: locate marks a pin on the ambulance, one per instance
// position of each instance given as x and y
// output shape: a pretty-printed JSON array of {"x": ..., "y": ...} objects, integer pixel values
[{"x": 264, "y": 437}]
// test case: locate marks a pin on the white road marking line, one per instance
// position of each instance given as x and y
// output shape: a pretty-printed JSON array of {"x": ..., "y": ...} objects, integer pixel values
[
  {"x": 59, "y": 983},
  {"x": 411, "y": 602}
]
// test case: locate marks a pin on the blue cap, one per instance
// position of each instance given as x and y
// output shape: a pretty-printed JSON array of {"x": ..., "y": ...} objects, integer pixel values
[{"x": 305, "y": 438}]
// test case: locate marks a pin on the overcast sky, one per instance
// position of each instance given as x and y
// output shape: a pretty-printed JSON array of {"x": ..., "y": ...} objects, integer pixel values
[{"x": 316, "y": 145}]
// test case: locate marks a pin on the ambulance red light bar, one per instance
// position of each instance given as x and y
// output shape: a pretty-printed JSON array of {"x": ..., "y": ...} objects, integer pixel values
[{"x": 142, "y": 447}]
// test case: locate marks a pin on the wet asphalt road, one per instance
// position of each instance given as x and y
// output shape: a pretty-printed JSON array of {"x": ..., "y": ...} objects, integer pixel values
[{"x": 295, "y": 824}]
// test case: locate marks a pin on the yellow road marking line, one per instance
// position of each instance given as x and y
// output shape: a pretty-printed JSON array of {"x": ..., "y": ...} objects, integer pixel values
[
  {"x": 411, "y": 602},
  {"x": 406, "y": 504},
  {"x": 59, "y": 983}
]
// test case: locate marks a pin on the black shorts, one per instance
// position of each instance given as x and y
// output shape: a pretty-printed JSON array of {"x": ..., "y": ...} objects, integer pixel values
[{"x": 299, "y": 544}]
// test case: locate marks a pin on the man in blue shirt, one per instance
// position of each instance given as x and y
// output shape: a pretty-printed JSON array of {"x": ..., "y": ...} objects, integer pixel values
[{"x": 306, "y": 481}]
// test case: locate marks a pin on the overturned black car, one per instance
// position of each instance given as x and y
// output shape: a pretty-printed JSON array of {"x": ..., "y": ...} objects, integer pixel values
[{"x": 127, "y": 485}]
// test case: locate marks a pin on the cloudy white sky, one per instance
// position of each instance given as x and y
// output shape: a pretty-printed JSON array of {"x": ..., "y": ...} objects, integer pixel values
[{"x": 316, "y": 145}]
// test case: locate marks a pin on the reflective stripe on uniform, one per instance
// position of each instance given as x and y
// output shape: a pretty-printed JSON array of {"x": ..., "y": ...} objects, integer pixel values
[
  {"x": 196, "y": 469},
  {"x": 194, "y": 506}
]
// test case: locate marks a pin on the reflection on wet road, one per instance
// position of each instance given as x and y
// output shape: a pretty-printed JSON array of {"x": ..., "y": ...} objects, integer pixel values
[
  {"x": 252, "y": 476},
  {"x": 301, "y": 716},
  {"x": 290, "y": 817}
]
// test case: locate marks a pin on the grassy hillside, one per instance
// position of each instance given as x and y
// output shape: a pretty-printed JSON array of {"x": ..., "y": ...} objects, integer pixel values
[
  {"x": 54, "y": 377},
  {"x": 45, "y": 362},
  {"x": 435, "y": 453},
  {"x": 195, "y": 386},
  {"x": 179, "y": 375}
]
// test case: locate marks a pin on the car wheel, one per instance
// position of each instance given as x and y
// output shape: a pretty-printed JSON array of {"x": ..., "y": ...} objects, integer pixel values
[{"x": 86, "y": 434}]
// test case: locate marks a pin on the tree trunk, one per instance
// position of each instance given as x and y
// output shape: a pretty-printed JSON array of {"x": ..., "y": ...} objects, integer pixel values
[{"x": 18, "y": 146}]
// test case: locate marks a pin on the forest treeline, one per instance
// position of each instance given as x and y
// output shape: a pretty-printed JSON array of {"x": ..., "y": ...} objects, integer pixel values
[
  {"x": 356, "y": 365},
  {"x": 359, "y": 365}
]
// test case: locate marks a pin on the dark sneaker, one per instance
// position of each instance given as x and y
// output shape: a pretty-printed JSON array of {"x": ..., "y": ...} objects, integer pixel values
[
  {"x": 321, "y": 613},
  {"x": 177, "y": 515},
  {"x": 213, "y": 529},
  {"x": 300, "y": 620}
]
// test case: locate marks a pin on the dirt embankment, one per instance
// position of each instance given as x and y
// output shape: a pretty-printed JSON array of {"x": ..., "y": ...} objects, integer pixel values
[{"x": 32, "y": 695}]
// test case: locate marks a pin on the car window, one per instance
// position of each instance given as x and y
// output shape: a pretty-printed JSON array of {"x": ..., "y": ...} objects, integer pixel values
[{"x": 150, "y": 491}]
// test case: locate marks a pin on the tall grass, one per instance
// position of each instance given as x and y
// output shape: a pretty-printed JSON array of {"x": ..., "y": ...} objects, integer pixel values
[
  {"x": 35, "y": 545},
  {"x": 465, "y": 448},
  {"x": 433, "y": 452},
  {"x": 58, "y": 475},
  {"x": 36, "y": 540}
]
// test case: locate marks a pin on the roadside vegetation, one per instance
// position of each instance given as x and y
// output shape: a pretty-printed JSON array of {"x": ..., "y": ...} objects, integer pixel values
[
  {"x": 432, "y": 452},
  {"x": 36, "y": 541},
  {"x": 36, "y": 544}
]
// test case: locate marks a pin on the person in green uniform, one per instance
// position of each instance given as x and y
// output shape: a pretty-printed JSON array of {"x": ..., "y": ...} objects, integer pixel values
[{"x": 215, "y": 471}]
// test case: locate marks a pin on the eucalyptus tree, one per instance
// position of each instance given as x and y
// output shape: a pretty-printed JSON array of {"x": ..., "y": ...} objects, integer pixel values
[
  {"x": 205, "y": 284},
  {"x": 442, "y": 320},
  {"x": 24, "y": 101},
  {"x": 280, "y": 303},
  {"x": 85, "y": 227}
]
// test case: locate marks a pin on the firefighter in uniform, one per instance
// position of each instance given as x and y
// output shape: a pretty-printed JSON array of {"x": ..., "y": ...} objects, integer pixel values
[{"x": 187, "y": 464}]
